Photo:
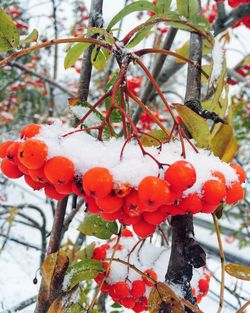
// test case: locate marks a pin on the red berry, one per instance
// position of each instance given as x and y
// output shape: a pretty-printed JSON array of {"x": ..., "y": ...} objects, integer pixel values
[
  {"x": 122, "y": 190},
  {"x": 33, "y": 184},
  {"x": 99, "y": 253},
  {"x": 128, "y": 302},
  {"x": 77, "y": 188},
  {"x": 9, "y": 169},
  {"x": 65, "y": 189},
  {"x": 239, "y": 171},
  {"x": 91, "y": 205},
  {"x": 213, "y": 192},
  {"x": 4, "y": 147},
  {"x": 59, "y": 170},
  {"x": 153, "y": 192},
  {"x": 127, "y": 233},
  {"x": 105, "y": 287},
  {"x": 138, "y": 288},
  {"x": 203, "y": 285},
  {"x": 220, "y": 176},
  {"x": 141, "y": 305},
  {"x": 23, "y": 168},
  {"x": 152, "y": 274},
  {"x": 154, "y": 218},
  {"x": 109, "y": 204},
  {"x": 129, "y": 220},
  {"x": 131, "y": 205},
  {"x": 97, "y": 182},
  {"x": 172, "y": 209},
  {"x": 30, "y": 131},
  {"x": 38, "y": 175},
  {"x": 121, "y": 289},
  {"x": 143, "y": 229},
  {"x": 32, "y": 153},
  {"x": 51, "y": 192},
  {"x": 12, "y": 152},
  {"x": 208, "y": 208},
  {"x": 111, "y": 216},
  {"x": 99, "y": 278},
  {"x": 235, "y": 193},
  {"x": 191, "y": 204},
  {"x": 181, "y": 175}
]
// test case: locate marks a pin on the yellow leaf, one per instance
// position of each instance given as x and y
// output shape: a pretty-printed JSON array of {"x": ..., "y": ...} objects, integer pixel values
[
  {"x": 161, "y": 293},
  {"x": 53, "y": 267},
  {"x": 153, "y": 138},
  {"x": 223, "y": 143},
  {"x": 207, "y": 68},
  {"x": 238, "y": 271},
  {"x": 197, "y": 126}
]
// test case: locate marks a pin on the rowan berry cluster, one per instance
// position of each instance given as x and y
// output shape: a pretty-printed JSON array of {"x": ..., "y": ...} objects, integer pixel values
[
  {"x": 129, "y": 288},
  {"x": 143, "y": 206}
]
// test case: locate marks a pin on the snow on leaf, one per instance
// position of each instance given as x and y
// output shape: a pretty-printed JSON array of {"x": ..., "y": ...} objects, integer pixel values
[
  {"x": 80, "y": 271},
  {"x": 218, "y": 58}
]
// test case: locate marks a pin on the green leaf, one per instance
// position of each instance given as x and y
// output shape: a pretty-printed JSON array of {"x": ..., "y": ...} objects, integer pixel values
[
  {"x": 197, "y": 126},
  {"x": 94, "y": 225},
  {"x": 33, "y": 36},
  {"x": 80, "y": 271},
  {"x": 140, "y": 35},
  {"x": 184, "y": 50},
  {"x": 96, "y": 30},
  {"x": 187, "y": 8},
  {"x": 9, "y": 34},
  {"x": 238, "y": 271},
  {"x": 74, "y": 53},
  {"x": 163, "y": 7},
  {"x": 99, "y": 58},
  {"x": 87, "y": 252},
  {"x": 133, "y": 7}
]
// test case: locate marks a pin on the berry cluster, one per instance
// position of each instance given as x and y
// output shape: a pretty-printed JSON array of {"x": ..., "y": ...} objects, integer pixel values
[
  {"x": 144, "y": 205},
  {"x": 129, "y": 288},
  {"x": 148, "y": 206}
]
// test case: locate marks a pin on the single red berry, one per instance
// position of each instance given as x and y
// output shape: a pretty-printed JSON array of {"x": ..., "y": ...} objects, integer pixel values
[
  {"x": 154, "y": 218},
  {"x": 220, "y": 176},
  {"x": 99, "y": 253},
  {"x": 132, "y": 206},
  {"x": 105, "y": 287},
  {"x": 128, "y": 302},
  {"x": 30, "y": 131},
  {"x": 127, "y": 233},
  {"x": 10, "y": 170},
  {"x": 208, "y": 208},
  {"x": 109, "y": 204},
  {"x": 65, "y": 189},
  {"x": 51, "y": 192},
  {"x": 151, "y": 274},
  {"x": 125, "y": 219},
  {"x": 112, "y": 293},
  {"x": 122, "y": 190},
  {"x": 191, "y": 204},
  {"x": 12, "y": 152},
  {"x": 172, "y": 209},
  {"x": 111, "y": 216},
  {"x": 213, "y": 192},
  {"x": 203, "y": 285},
  {"x": 153, "y": 192},
  {"x": 23, "y": 168},
  {"x": 239, "y": 171},
  {"x": 141, "y": 305},
  {"x": 121, "y": 289},
  {"x": 59, "y": 170},
  {"x": 138, "y": 288},
  {"x": 4, "y": 147},
  {"x": 235, "y": 193},
  {"x": 143, "y": 229},
  {"x": 91, "y": 205},
  {"x": 97, "y": 182},
  {"x": 33, "y": 153},
  {"x": 181, "y": 175},
  {"x": 33, "y": 184},
  {"x": 77, "y": 188},
  {"x": 38, "y": 175},
  {"x": 99, "y": 278}
]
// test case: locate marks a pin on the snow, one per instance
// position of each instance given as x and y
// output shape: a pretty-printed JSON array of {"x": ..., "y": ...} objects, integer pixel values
[
  {"x": 87, "y": 152},
  {"x": 218, "y": 57}
]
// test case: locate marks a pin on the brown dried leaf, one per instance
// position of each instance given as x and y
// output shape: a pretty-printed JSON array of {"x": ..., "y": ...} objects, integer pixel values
[
  {"x": 160, "y": 295},
  {"x": 238, "y": 271}
]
